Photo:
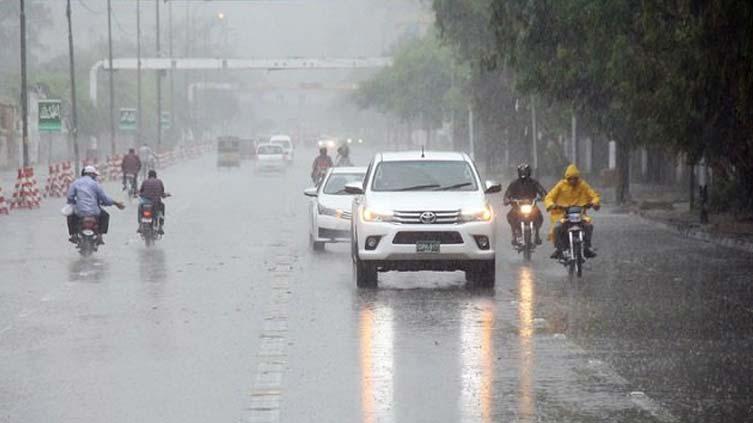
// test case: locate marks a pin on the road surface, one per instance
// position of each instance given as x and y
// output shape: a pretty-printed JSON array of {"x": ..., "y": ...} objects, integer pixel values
[{"x": 232, "y": 318}]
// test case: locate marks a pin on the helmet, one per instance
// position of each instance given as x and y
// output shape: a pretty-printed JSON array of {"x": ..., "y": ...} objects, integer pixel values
[
  {"x": 343, "y": 150},
  {"x": 322, "y": 150},
  {"x": 152, "y": 174},
  {"x": 524, "y": 171},
  {"x": 90, "y": 170}
]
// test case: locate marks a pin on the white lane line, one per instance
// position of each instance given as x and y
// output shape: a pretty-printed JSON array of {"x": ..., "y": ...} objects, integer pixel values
[{"x": 266, "y": 394}]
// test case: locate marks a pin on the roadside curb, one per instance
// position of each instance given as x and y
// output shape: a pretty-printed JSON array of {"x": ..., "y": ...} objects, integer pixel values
[{"x": 693, "y": 232}]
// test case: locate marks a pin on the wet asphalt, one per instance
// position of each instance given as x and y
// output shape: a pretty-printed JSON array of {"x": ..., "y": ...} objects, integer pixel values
[{"x": 232, "y": 318}]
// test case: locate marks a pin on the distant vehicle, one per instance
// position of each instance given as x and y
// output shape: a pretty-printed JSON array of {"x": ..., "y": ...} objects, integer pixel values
[
  {"x": 228, "y": 152},
  {"x": 286, "y": 143},
  {"x": 331, "y": 206},
  {"x": 270, "y": 158},
  {"x": 423, "y": 211}
]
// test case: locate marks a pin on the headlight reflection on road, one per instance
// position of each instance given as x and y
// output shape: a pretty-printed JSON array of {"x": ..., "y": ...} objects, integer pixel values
[
  {"x": 526, "y": 303},
  {"x": 377, "y": 361},
  {"x": 477, "y": 361}
]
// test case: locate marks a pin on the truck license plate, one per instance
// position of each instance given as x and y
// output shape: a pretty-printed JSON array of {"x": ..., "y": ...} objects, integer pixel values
[{"x": 427, "y": 246}]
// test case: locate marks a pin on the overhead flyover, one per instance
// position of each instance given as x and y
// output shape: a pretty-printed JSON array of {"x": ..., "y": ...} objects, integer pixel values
[{"x": 179, "y": 64}]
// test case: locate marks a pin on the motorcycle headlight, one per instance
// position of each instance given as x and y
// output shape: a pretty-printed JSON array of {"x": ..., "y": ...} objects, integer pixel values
[
  {"x": 483, "y": 214},
  {"x": 326, "y": 211},
  {"x": 369, "y": 214},
  {"x": 526, "y": 209}
]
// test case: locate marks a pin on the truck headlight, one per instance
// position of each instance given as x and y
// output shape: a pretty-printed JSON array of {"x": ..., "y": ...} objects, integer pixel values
[
  {"x": 483, "y": 214},
  {"x": 369, "y": 214}
]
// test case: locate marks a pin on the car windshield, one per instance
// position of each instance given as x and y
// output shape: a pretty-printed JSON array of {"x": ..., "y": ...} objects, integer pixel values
[
  {"x": 270, "y": 149},
  {"x": 336, "y": 183},
  {"x": 281, "y": 143},
  {"x": 424, "y": 175}
]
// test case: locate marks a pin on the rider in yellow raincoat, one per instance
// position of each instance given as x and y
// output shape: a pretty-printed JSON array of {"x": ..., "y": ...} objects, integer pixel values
[{"x": 570, "y": 191}]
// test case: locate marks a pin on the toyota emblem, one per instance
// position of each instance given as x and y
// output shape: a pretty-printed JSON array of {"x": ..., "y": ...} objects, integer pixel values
[{"x": 428, "y": 217}]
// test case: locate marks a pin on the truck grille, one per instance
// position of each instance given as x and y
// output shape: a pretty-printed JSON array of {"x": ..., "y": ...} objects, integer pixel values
[
  {"x": 411, "y": 237},
  {"x": 414, "y": 217}
]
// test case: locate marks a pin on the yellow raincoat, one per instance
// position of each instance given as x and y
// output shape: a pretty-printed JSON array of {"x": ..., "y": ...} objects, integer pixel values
[{"x": 563, "y": 194}]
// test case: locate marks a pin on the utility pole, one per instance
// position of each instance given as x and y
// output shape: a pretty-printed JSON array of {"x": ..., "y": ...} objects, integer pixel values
[
  {"x": 139, "y": 124},
  {"x": 574, "y": 139},
  {"x": 534, "y": 136},
  {"x": 74, "y": 112},
  {"x": 112, "y": 83},
  {"x": 471, "y": 135},
  {"x": 172, "y": 74},
  {"x": 24, "y": 92},
  {"x": 159, "y": 82}
]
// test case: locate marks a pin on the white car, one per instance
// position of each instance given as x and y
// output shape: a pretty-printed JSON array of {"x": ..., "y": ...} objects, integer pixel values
[
  {"x": 270, "y": 158},
  {"x": 286, "y": 143},
  {"x": 423, "y": 211},
  {"x": 330, "y": 206}
]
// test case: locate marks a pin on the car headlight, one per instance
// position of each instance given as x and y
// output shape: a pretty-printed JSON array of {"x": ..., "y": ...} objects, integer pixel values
[
  {"x": 483, "y": 214},
  {"x": 526, "y": 209},
  {"x": 326, "y": 211},
  {"x": 369, "y": 214}
]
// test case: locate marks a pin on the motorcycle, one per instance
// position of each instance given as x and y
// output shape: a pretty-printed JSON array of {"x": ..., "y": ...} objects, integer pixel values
[
  {"x": 87, "y": 236},
  {"x": 150, "y": 222},
  {"x": 573, "y": 258},
  {"x": 525, "y": 210},
  {"x": 133, "y": 191}
]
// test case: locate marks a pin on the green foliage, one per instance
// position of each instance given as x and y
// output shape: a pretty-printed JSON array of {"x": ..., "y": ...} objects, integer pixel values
[{"x": 417, "y": 87}]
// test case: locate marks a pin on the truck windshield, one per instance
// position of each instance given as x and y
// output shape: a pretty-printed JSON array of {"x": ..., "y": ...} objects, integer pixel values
[{"x": 424, "y": 176}]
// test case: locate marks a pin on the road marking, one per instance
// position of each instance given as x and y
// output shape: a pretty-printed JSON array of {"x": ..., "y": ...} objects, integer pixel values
[{"x": 266, "y": 394}]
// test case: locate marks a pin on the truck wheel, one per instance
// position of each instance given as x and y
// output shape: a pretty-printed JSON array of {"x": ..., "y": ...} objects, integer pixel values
[
  {"x": 484, "y": 274},
  {"x": 365, "y": 274}
]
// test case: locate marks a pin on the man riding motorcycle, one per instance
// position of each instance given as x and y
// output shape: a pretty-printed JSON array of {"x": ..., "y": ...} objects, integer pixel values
[
  {"x": 153, "y": 190},
  {"x": 320, "y": 166},
  {"x": 571, "y": 191},
  {"x": 87, "y": 197},
  {"x": 343, "y": 156},
  {"x": 131, "y": 165},
  {"x": 524, "y": 188}
]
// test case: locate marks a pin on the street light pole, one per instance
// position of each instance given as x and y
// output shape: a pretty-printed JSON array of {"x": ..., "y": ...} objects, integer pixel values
[
  {"x": 74, "y": 112},
  {"x": 139, "y": 119},
  {"x": 112, "y": 83},
  {"x": 172, "y": 74},
  {"x": 159, "y": 81},
  {"x": 24, "y": 93}
]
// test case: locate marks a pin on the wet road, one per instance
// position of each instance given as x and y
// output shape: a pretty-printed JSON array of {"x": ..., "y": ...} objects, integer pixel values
[{"x": 232, "y": 318}]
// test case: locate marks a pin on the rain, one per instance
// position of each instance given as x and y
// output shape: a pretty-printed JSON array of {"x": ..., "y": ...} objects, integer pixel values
[{"x": 376, "y": 211}]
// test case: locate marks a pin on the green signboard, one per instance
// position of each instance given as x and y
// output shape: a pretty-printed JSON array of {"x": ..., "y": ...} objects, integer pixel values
[
  {"x": 166, "y": 120},
  {"x": 127, "y": 119},
  {"x": 50, "y": 116}
]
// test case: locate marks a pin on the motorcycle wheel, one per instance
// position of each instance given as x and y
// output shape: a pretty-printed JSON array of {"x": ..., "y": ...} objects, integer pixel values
[
  {"x": 578, "y": 260},
  {"x": 527, "y": 245}
]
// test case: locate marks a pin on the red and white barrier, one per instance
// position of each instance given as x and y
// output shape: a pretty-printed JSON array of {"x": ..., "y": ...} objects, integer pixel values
[
  {"x": 3, "y": 205},
  {"x": 26, "y": 194}
]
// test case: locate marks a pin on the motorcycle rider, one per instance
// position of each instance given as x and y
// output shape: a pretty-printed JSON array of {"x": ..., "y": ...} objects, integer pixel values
[
  {"x": 343, "y": 156},
  {"x": 153, "y": 190},
  {"x": 524, "y": 188},
  {"x": 322, "y": 162},
  {"x": 571, "y": 191},
  {"x": 131, "y": 165},
  {"x": 87, "y": 198}
]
